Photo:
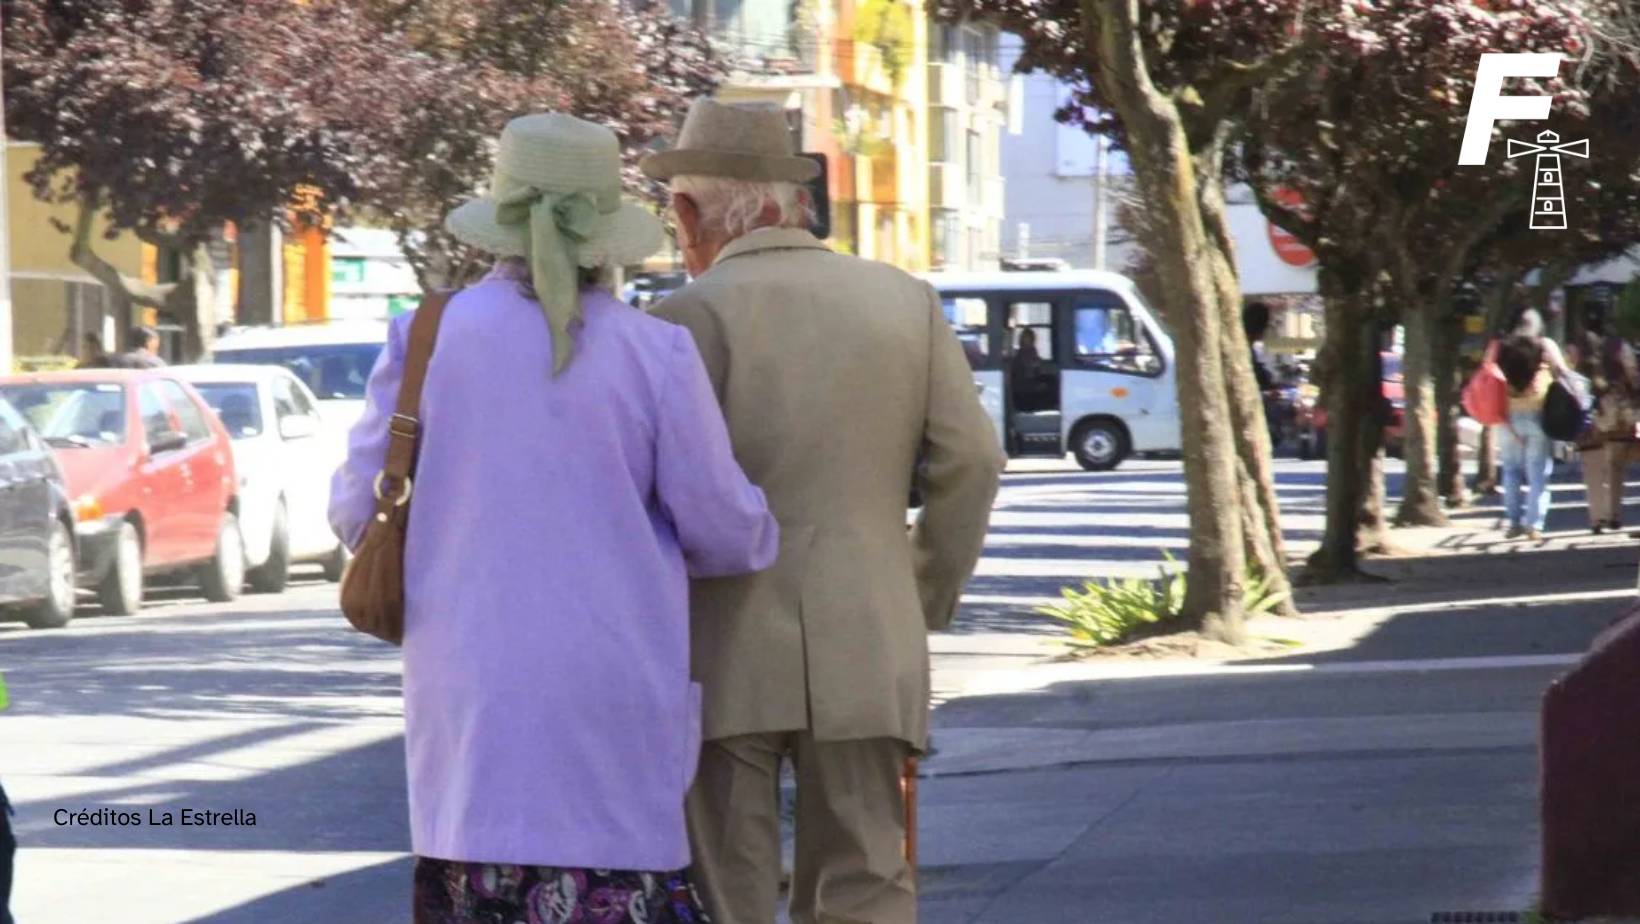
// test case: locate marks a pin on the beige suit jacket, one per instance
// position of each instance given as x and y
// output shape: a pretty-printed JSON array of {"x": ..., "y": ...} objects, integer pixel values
[{"x": 833, "y": 373}]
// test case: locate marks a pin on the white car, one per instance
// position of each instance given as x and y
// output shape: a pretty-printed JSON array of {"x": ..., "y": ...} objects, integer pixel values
[
  {"x": 333, "y": 359},
  {"x": 284, "y": 463}
]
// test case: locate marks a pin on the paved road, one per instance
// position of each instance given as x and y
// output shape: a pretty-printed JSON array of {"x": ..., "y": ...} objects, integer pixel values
[{"x": 1351, "y": 785}]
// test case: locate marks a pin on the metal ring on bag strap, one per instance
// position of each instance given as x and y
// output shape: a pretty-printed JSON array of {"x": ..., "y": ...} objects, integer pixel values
[{"x": 402, "y": 499}]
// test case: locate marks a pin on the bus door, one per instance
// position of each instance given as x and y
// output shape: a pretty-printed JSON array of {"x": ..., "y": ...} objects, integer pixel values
[
  {"x": 978, "y": 329},
  {"x": 1034, "y": 348}
]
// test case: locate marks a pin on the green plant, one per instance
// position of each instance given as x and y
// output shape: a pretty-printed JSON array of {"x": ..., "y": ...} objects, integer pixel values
[
  {"x": 1257, "y": 598},
  {"x": 1105, "y": 612},
  {"x": 886, "y": 25},
  {"x": 862, "y": 140}
]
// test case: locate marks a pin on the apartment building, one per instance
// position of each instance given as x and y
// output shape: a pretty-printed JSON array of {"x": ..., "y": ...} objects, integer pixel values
[
  {"x": 968, "y": 113},
  {"x": 909, "y": 114}
]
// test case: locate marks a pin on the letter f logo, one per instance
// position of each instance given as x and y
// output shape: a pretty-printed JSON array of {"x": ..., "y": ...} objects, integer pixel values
[{"x": 1489, "y": 105}]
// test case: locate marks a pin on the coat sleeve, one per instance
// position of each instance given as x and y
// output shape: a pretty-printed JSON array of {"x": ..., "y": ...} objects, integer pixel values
[
  {"x": 963, "y": 469},
  {"x": 353, "y": 487},
  {"x": 686, "y": 310},
  {"x": 722, "y": 520}
]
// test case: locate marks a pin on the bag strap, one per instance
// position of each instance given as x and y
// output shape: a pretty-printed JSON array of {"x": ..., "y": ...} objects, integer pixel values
[{"x": 404, "y": 427}]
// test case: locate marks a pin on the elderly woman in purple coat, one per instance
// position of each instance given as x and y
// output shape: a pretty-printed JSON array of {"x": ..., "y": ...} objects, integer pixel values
[{"x": 574, "y": 473}]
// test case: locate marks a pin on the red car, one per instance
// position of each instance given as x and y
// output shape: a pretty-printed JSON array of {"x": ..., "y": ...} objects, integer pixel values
[{"x": 149, "y": 471}]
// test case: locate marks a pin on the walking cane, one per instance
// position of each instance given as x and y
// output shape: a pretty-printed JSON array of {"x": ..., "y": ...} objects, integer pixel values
[{"x": 908, "y": 786}]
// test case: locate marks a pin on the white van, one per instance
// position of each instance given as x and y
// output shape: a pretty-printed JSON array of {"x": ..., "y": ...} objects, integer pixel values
[
  {"x": 333, "y": 359},
  {"x": 1066, "y": 362}
]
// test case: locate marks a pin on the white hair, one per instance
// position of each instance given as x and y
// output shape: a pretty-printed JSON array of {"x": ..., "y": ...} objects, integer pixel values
[
  {"x": 735, "y": 207},
  {"x": 1530, "y": 323}
]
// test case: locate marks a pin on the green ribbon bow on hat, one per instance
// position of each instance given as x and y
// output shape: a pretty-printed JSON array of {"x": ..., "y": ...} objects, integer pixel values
[{"x": 555, "y": 226}]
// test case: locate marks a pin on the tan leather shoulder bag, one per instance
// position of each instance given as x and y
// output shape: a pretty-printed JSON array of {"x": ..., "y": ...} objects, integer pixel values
[{"x": 373, "y": 586}]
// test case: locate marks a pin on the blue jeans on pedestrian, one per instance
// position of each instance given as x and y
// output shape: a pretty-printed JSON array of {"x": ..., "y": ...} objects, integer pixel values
[{"x": 1525, "y": 456}]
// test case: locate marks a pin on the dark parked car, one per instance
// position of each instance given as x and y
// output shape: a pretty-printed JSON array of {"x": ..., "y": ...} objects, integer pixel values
[{"x": 37, "y": 550}]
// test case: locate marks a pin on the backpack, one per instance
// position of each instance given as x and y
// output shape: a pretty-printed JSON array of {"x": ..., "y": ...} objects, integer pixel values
[{"x": 1568, "y": 409}]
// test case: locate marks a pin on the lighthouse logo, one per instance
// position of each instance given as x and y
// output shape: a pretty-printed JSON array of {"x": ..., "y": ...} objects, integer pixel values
[
  {"x": 1548, "y": 193},
  {"x": 1489, "y": 105}
]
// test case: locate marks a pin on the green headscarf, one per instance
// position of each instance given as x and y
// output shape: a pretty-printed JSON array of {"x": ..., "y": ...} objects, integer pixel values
[{"x": 555, "y": 225}]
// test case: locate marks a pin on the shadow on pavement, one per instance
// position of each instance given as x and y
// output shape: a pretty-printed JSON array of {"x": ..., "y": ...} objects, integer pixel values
[
  {"x": 374, "y": 893},
  {"x": 207, "y": 664},
  {"x": 350, "y": 800}
]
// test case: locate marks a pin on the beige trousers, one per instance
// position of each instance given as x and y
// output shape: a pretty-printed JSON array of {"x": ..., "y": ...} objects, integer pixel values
[
  {"x": 1605, "y": 469},
  {"x": 850, "y": 863}
]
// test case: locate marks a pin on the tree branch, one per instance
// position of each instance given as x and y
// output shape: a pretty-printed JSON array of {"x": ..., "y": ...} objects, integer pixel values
[{"x": 81, "y": 254}]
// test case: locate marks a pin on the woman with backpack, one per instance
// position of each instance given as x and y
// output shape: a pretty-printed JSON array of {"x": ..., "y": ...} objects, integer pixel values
[
  {"x": 1609, "y": 363},
  {"x": 1529, "y": 362}
]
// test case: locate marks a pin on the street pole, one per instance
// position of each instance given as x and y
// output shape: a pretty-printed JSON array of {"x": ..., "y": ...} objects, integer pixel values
[
  {"x": 1099, "y": 202},
  {"x": 7, "y": 361}
]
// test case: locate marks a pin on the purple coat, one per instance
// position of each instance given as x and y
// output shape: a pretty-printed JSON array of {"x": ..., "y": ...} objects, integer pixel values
[{"x": 549, "y": 714}]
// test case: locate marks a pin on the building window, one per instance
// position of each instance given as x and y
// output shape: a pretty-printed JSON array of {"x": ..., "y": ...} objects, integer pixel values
[
  {"x": 946, "y": 228},
  {"x": 973, "y": 46},
  {"x": 944, "y": 135},
  {"x": 944, "y": 46},
  {"x": 976, "y": 186}
]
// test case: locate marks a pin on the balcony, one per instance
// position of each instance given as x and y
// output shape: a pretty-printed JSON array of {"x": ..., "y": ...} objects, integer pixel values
[
  {"x": 945, "y": 85},
  {"x": 945, "y": 186}
]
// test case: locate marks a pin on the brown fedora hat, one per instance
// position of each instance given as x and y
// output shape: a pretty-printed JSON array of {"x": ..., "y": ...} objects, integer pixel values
[{"x": 736, "y": 142}]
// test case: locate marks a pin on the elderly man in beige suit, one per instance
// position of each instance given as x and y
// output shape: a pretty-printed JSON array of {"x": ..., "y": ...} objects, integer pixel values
[{"x": 837, "y": 375}]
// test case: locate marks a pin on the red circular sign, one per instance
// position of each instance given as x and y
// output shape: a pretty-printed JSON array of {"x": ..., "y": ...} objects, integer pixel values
[{"x": 1288, "y": 248}]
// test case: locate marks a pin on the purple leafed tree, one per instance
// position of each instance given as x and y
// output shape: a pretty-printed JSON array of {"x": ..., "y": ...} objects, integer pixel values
[
  {"x": 172, "y": 118},
  {"x": 634, "y": 71}
]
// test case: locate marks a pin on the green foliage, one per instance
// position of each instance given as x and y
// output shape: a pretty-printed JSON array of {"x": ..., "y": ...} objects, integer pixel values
[
  {"x": 1257, "y": 595},
  {"x": 1105, "y": 612},
  {"x": 863, "y": 141},
  {"x": 1109, "y": 611},
  {"x": 886, "y": 25}
]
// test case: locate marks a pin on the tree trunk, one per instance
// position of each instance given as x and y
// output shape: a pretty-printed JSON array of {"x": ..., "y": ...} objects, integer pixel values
[
  {"x": 192, "y": 302},
  {"x": 1448, "y": 402},
  {"x": 1420, "y": 499},
  {"x": 1350, "y": 335},
  {"x": 259, "y": 272},
  {"x": 82, "y": 255},
  {"x": 1165, "y": 173},
  {"x": 1261, "y": 520},
  {"x": 1371, "y": 523}
]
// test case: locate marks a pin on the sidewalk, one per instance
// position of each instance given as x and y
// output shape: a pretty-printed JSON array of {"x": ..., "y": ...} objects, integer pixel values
[{"x": 1379, "y": 767}]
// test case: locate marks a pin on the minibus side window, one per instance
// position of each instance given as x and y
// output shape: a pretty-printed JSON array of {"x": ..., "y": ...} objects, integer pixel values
[
  {"x": 1109, "y": 338},
  {"x": 970, "y": 319}
]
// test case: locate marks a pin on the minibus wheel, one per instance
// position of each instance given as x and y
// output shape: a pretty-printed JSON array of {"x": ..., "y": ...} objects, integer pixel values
[{"x": 1099, "y": 444}]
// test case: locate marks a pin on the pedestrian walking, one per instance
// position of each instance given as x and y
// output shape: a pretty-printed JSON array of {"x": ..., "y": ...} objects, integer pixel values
[
  {"x": 1525, "y": 451},
  {"x": 574, "y": 471},
  {"x": 835, "y": 374},
  {"x": 1608, "y": 361},
  {"x": 144, "y": 352},
  {"x": 92, "y": 353}
]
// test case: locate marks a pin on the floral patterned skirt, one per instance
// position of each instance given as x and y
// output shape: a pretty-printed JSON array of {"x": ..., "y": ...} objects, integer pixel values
[{"x": 452, "y": 892}]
